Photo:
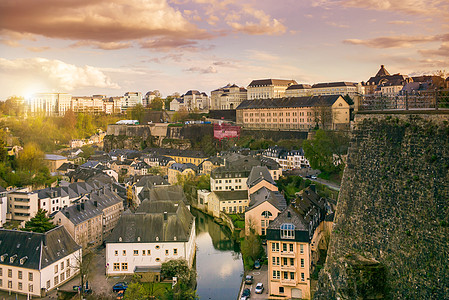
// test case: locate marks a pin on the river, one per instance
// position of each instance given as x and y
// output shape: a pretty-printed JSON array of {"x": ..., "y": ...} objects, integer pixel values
[{"x": 218, "y": 260}]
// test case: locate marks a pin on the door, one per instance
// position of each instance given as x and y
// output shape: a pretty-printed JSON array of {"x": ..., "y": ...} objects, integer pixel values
[{"x": 297, "y": 293}]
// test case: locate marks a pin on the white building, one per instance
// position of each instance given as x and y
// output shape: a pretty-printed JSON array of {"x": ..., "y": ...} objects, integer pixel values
[
  {"x": 34, "y": 263},
  {"x": 196, "y": 100},
  {"x": 3, "y": 206},
  {"x": 338, "y": 88},
  {"x": 50, "y": 104},
  {"x": 149, "y": 97},
  {"x": 298, "y": 90},
  {"x": 268, "y": 88},
  {"x": 227, "y": 97},
  {"x": 131, "y": 99},
  {"x": 287, "y": 159},
  {"x": 159, "y": 231}
]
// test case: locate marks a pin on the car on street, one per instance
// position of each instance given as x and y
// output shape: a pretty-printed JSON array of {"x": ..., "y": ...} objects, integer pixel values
[
  {"x": 257, "y": 264},
  {"x": 308, "y": 176},
  {"x": 249, "y": 279},
  {"x": 259, "y": 288},
  {"x": 313, "y": 177},
  {"x": 120, "y": 286},
  {"x": 246, "y": 294}
]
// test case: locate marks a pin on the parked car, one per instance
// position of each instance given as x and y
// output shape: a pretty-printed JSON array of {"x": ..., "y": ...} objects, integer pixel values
[
  {"x": 259, "y": 288},
  {"x": 249, "y": 279},
  {"x": 246, "y": 294},
  {"x": 120, "y": 286},
  {"x": 308, "y": 176},
  {"x": 257, "y": 264},
  {"x": 313, "y": 177}
]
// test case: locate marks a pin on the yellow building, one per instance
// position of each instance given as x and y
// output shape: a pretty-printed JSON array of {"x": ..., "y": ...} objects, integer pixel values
[
  {"x": 268, "y": 88},
  {"x": 176, "y": 170},
  {"x": 304, "y": 113},
  {"x": 288, "y": 247}
]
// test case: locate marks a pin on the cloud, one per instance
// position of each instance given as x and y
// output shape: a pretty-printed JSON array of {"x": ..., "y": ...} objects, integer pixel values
[
  {"x": 105, "y": 21},
  {"x": 102, "y": 45},
  {"x": 262, "y": 56},
  {"x": 208, "y": 70},
  {"x": 400, "y": 22},
  {"x": 392, "y": 41},
  {"x": 262, "y": 24},
  {"x": 38, "y": 49},
  {"x": 442, "y": 51},
  {"x": 56, "y": 74},
  {"x": 169, "y": 44},
  {"x": 337, "y": 25}
]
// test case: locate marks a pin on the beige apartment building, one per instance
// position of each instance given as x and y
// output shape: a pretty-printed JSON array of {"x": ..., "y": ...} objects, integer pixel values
[
  {"x": 298, "y": 113},
  {"x": 227, "y": 97},
  {"x": 50, "y": 104},
  {"x": 268, "y": 88},
  {"x": 22, "y": 206}
]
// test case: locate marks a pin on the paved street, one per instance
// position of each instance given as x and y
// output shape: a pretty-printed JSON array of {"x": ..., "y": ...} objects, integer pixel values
[{"x": 259, "y": 276}]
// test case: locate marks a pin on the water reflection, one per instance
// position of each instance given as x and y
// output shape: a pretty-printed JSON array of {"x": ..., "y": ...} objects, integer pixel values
[{"x": 218, "y": 262}]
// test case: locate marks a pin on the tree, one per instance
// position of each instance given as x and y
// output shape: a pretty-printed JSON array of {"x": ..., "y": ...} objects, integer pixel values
[
  {"x": 136, "y": 112},
  {"x": 251, "y": 249},
  {"x": 186, "y": 279},
  {"x": 39, "y": 223},
  {"x": 323, "y": 115},
  {"x": 157, "y": 104},
  {"x": 31, "y": 158},
  {"x": 326, "y": 150},
  {"x": 82, "y": 266}
]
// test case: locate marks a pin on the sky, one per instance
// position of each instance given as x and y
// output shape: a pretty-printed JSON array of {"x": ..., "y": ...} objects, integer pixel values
[{"x": 86, "y": 47}]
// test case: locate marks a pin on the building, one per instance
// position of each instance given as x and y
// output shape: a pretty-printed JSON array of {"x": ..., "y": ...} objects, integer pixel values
[
  {"x": 338, "y": 88},
  {"x": 133, "y": 248},
  {"x": 34, "y": 263},
  {"x": 54, "y": 161},
  {"x": 50, "y": 104},
  {"x": 264, "y": 206},
  {"x": 287, "y": 159},
  {"x": 3, "y": 205},
  {"x": 196, "y": 100},
  {"x": 391, "y": 84},
  {"x": 230, "y": 202},
  {"x": 258, "y": 178},
  {"x": 180, "y": 156},
  {"x": 22, "y": 205},
  {"x": 268, "y": 88},
  {"x": 131, "y": 99},
  {"x": 299, "y": 90},
  {"x": 288, "y": 247},
  {"x": 149, "y": 97},
  {"x": 298, "y": 113},
  {"x": 177, "y": 170},
  {"x": 227, "y": 97},
  {"x": 177, "y": 104},
  {"x": 92, "y": 218},
  {"x": 92, "y": 105}
]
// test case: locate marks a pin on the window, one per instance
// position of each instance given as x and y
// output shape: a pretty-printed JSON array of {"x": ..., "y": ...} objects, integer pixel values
[
  {"x": 1, "y": 271},
  {"x": 302, "y": 276},
  {"x": 158, "y": 259},
  {"x": 48, "y": 284},
  {"x": 276, "y": 274},
  {"x": 157, "y": 247},
  {"x": 285, "y": 275},
  {"x": 274, "y": 247},
  {"x": 116, "y": 252},
  {"x": 20, "y": 287},
  {"x": 148, "y": 252},
  {"x": 62, "y": 265},
  {"x": 56, "y": 268},
  {"x": 175, "y": 251},
  {"x": 301, "y": 249},
  {"x": 124, "y": 266},
  {"x": 292, "y": 262},
  {"x": 124, "y": 252},
  {"x": 292, "y": 275},
  {"x": 284, "y": 261},
  {"x": 116, "y": 267},
  {"x": 9, "y": 273},
  {"x": 284, "y": 247},
  {"x": 281, "y": 290},
  {"x": 291, "y": 247},
  {"x": 302, "y": 262},
  {"x": 266, "y": 214},
  {"x": 56, "y": 280},
  {"x": 274, "y": 260},
  {"x": 19, "y": 274},
  {"x": 9, "y": 284},
  {"x": 30, "y": 288},
  {"x": 143, "y": 252},
  {"x": 67, "y": 273},
  {"x": 136, "y": 252},
  {"x": 166, "y": 252},
  {"x": 62, "y": 277},
  {"x": 287, "y": 231},
  {"x": 30, "y": 276}
]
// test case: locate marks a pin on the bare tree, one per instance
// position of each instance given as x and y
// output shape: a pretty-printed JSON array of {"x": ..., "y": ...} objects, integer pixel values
[
  {"x": 82, "y": 266},
  {"x": 322, "y": 114}
]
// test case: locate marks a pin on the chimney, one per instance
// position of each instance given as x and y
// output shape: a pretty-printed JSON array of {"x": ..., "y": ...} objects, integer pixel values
[
  {"x": 96, "y": 203},
  {"x": 165, "y": 216},
  {"x": 82, "y": 205},
  {"x": 78, "y": 207}
]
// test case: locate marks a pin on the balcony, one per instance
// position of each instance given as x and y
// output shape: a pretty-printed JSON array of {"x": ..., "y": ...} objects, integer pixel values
[
  {"x": 288, "y": 254},
  {"x": 288, "y": 282},
  {"x": 288, "y": 268}
]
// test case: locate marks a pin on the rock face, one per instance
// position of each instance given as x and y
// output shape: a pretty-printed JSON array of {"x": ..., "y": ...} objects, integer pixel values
[{"x": 391, "y": 235}]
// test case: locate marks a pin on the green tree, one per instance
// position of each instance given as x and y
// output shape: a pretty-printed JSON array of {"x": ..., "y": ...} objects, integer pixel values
[
  {"x": 39, "y": 223},
  {"x": 326, "y": 150},
  {"x": 136, "y": 112},
  {"x": 251, "y": 249},
  {"x": 157, "y": 104},
  {"x": 31, "y": 158}
]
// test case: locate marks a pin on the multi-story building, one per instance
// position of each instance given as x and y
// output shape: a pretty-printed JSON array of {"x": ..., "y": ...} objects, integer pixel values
[
  {"x": 50, "y": 104},
  {"x": 287, "y": 159},
  {"x": 149, "y": 97},
  {"x": 268, "y": 88},
  {"x": 113, "y": 105},
  {"x": 294, "y": 113},
  {"x": 22, "y": 205},
  {"x": 390, "y": 82},
  {"x": 92, "y": 218},
  {"x": 227, "y": 97},
  {"x": 3, "y": 205},
  {"x": 93, "y": 105},
  {"x": 54, "y": 161},
  {"x": 337, "y": 88},
  {"x": 131, "y": 99},
  {"x": 195, "y": 100},
  {"x": 298, "y": 90},
  {"x": 133, "y": 248},
  {"x": 230, "y": 202},
  {"x": 34, "y": 263},
  {"x": 178, "y": 170},
  {"x": 288, "y": 247}
]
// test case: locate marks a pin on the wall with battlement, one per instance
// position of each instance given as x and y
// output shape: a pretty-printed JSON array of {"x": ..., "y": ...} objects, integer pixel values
[{"x": 391, "y": 233}]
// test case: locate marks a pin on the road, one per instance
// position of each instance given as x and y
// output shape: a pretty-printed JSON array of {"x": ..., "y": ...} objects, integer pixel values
[{"x": 260, "y": 275}]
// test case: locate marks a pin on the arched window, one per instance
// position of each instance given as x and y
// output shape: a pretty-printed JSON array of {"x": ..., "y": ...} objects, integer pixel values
[
  {"x": 287, "y": 231},
  {"x": 266, "y": 214}
]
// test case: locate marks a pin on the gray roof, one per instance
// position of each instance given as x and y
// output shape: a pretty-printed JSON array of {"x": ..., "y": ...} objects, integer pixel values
[
  {"x": 299, "y": 87},
  {"x": 258, "y": 174},
  {"x": 54, "y": 157},
  {"x": 273, "y": 197},
  {"x": 292, "y": 216},
  {"x": 333, "y": 84},
  {"x": 265, "y": 82},
  {"x": 149, "y": 227},
  {"x": 309, "y": 101},
  {"x": 37, "y": 250},
  {"x": 168, "y": 192},
  {"x": 151, "y": 180},
  {"x": 232, "y": 195}
]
